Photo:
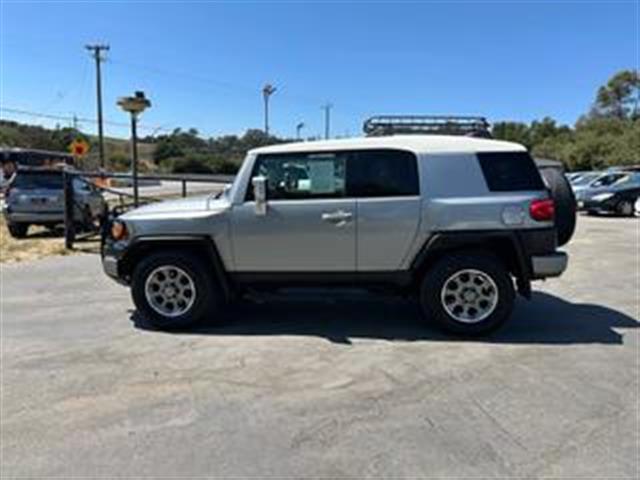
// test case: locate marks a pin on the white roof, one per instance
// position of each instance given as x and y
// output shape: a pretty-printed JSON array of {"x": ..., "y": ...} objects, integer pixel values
[{"x": 415, "y": 143}]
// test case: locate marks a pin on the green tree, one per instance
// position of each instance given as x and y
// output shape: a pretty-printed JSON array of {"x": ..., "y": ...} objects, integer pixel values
[
  {"x": 619, "y": 97},
  {"x": 513, "y": 132}
]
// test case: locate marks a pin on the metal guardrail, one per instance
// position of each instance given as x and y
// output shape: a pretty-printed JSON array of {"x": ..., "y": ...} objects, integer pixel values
[{"x": 70, "y": 203}]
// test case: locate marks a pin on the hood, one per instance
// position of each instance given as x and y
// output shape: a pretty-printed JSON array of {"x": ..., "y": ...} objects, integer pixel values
[{"x": 199, "y": 204}]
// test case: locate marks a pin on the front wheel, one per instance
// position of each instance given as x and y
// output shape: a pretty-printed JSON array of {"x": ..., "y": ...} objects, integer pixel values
[
  {"x": 625, "y": 208},
  {"x": 468, "y": 294},
  {"x": 174, "y": 290}
]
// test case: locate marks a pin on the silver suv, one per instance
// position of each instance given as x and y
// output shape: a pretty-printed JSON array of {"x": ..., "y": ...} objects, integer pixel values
[
  {"x": 35, "y": 196},
  {"x": 450, "y": 220}
]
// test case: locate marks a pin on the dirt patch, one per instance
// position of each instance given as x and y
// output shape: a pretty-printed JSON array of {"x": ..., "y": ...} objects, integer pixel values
[{"x": 39, "y": 243}]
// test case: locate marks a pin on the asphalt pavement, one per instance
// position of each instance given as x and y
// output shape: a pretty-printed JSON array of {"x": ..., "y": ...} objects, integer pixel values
[{"x": 352, "y": 386}]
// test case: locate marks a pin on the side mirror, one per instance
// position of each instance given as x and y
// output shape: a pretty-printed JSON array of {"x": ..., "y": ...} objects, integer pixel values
[{"x": 260, "y": 194}]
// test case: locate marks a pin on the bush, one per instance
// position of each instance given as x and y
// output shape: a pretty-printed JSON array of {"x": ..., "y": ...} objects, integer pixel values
[
  {"x": 190, "y": 164},
  {"x": 119, "y": 162},
  {"x": 225, "y": 167}
]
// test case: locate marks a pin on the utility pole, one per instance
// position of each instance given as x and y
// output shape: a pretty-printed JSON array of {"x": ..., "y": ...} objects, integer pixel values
[
  {"x": 96, "y": 51},
  {"x": 327, "y": 119},
  {"x": 267, "y": 91},
  {"x": 299, "y": 127}
]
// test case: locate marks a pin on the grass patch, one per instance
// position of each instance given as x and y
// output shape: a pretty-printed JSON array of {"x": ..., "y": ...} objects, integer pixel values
[{"x": 39, "y": 243}]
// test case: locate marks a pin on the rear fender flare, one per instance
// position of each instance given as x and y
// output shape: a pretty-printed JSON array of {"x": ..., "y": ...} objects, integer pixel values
[{"x": 506, "y": 245}]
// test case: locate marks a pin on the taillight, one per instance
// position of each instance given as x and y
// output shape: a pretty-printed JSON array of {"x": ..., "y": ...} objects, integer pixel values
[{"x": 542, "y": 210}]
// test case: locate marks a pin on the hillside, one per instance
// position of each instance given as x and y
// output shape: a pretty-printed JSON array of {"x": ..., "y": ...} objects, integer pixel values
[{"x": 117, "y": 151}]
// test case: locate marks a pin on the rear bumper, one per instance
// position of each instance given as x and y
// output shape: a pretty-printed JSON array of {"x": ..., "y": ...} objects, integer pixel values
[
  {"x": 33, "y": 217},
  {"x": 38, "y": 217},
  {"x": 550, "y": 265}
]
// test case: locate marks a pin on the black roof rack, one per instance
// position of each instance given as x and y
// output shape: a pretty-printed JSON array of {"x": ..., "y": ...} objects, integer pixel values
[{"x": 427, "y": 124}]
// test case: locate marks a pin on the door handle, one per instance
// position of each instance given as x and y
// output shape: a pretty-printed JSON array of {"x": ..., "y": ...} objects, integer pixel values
[{"x": 339, "y": 217}]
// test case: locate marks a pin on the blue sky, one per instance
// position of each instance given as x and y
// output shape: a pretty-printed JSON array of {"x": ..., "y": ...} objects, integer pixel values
[{"x": 203, "y": 63}]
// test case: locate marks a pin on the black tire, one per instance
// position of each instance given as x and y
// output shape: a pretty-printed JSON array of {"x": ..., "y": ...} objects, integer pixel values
[
  {"x": 625, "y": 208},
  {"x": 18, "y": 230},
  {"x": 432, "y": 298},
  {"x": 206, "y": 304},
  {"x": 565, "y": 203}
]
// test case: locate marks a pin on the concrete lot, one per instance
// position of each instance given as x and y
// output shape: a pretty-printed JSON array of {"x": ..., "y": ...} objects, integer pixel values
[{"x": 320, "y": 388}]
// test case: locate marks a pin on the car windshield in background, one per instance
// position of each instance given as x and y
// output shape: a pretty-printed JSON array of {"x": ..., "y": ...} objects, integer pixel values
[
  {"x": 585, "y": 179},
  {"x": 608, "y": 179},
  {"x": 627, "y": 181},
  {"x": 52, "y": 181}
]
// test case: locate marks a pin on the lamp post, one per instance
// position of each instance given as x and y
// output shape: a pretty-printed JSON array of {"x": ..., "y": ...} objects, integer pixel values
[
  {"x": 135, "y": 106},
  {"x": 299, "y": 127},
  {"x": 267, "y": 91}
]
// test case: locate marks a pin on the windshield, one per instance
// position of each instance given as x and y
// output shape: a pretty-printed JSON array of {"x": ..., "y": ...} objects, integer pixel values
[
  {"x": 585, "y": 178},
  {"x": 628, "y": 180},
  {"x": 52, "y": 181},
  {"x": 606, "y": 180}
]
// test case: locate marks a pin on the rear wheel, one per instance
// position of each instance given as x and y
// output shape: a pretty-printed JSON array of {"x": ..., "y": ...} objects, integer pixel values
[
  {"x": 18, "y": 230},
  {"x": 468, "y": 293},
  {"x": 625, "y": 208},
  {"x": 174, "y": 290}
]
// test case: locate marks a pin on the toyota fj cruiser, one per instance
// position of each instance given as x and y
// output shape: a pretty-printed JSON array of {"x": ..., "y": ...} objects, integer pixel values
[{"x": 451, "y": 220}]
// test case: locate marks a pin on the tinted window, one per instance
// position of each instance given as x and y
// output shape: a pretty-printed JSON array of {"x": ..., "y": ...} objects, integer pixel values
[
  {"x": 382, "y": 173},
  {"x": 39, "y": 180},
  {"x": 302, "y": 175},
  {"x": 510, "y": 171}
]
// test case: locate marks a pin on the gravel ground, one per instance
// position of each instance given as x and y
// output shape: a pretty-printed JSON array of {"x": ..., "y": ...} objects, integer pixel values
[{"x": 352, "y": 386}]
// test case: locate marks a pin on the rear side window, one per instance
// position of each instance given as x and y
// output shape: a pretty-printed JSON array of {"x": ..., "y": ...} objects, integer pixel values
[
  {"x": 30, "y": 180},
  {"x": 382, "y": 173},
  {"x": 510, "y": 171}
]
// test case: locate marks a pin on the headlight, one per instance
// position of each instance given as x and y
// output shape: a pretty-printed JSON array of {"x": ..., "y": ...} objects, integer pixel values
[
  {"x": 601, "y": 197},
  {"x": 118, "y": 230}
]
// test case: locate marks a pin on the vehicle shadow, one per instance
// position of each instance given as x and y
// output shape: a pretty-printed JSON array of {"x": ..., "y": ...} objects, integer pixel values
[{"x": 546, "y": 319}]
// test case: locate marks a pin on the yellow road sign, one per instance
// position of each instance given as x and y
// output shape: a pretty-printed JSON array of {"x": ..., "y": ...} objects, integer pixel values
[{"x": 79, "y": 147}]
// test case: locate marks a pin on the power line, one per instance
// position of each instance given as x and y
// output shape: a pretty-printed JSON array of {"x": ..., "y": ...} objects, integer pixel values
[
  {"x": 70, "y": 118},
  {"x": 245, "y": 89}
]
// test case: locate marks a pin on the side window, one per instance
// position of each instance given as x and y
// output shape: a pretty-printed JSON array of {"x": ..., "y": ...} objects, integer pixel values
[
  {"x": 383, "y": 173},
  {"x": 81, "y": 186},
  {"x": 510, "y": 171},
  {"x": 301, "y": 175}
]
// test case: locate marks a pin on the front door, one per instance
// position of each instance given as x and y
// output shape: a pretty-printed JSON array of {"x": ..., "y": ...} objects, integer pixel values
[{"x": 309, "y": 225}]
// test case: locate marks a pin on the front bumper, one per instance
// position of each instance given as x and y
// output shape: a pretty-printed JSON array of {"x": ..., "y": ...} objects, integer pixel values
[
  {"x": 549, "y": 265},
  {"x": 112, "y": 255}
]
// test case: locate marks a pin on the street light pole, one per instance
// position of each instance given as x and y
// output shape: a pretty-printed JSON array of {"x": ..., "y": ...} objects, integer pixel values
[
  {"x": 327, "y": 119},
  {"x": 135, "y": 106},
  {"x": 299, "y": 127},
  {"x": 267, "y": 91},
  {"x": 134, "y": 155}
]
